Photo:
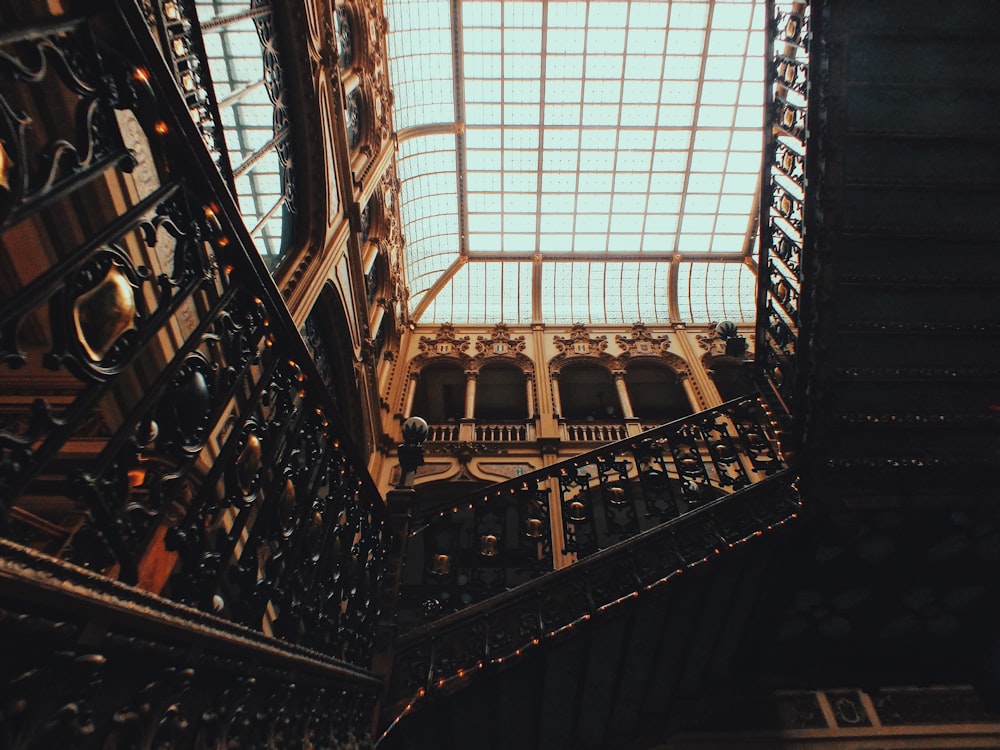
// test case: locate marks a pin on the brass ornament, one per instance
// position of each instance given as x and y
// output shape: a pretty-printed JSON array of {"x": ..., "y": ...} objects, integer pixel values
[{"x": 104, "y": 313}]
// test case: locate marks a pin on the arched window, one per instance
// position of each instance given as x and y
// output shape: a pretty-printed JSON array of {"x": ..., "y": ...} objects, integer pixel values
[
  {"x": 656, "y": 392},
  {"x": 501, "y": 394},
  {"x": 440, "y": 396},
  {"x": 587, "y": 392}
]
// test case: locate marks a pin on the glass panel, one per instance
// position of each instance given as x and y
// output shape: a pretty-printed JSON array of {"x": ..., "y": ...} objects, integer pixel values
[
  {"x": 236, "y": 65},
  {"x": 638, "y": 133}
]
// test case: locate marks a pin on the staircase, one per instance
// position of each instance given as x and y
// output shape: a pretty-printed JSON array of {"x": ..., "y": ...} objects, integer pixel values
[
  {"x": 903, "y": 362},
  {"x": 878, "y": 334}
]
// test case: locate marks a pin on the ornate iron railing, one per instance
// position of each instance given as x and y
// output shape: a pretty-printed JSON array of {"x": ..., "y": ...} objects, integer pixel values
[
  {"x": 495, "y": 539},
  {"x": 87, "y": 662},
  {"x": 783, "y": 192},
  {"x": 162, "y": 421},
  {"x": 439, "y": 657},
  {"x": 176, "y": 24}
]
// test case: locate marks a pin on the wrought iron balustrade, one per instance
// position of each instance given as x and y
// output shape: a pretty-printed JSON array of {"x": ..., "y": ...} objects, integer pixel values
[
  {"x": 175, "y": 23},
  {"x": 492, "y": 540},
  {"x": 441, "y": 656},
  {"x": 783, "y": 193},
  {"x": 162, "y": 421}
]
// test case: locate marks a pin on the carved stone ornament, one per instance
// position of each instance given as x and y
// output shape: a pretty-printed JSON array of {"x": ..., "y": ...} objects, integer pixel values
[
  {"x": 445, "y": 343},
  {"x": 642, "y": 343},
  {"x": 465, "y": 451},
  {"x": 580, "y": 342},
  {"x": 499, "y": 343}
]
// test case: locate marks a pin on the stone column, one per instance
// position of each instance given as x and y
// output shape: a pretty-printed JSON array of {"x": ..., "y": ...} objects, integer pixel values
[
  {"x": 690, "y": 393},
  {"x": 556, "y": 400},
  {"x": 411, "y": 393},
  {"x": 379, "y": 316},
  {"x": 470, "y": 393},
  {"x": 626, "y": 402}
]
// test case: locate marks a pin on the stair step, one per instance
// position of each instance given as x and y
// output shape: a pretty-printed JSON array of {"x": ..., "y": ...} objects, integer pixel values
[
  {"x": 874, "y": 349},
  {"x": 919, "y": 281},
  {"x": 904, "y": 397},
  {"x": 921, "y": 328},
  {"x": 911, "y": 254},
  {"x": 917, "y": 374},
  {"x": 900, "y": 209},
  {"x": 903, "y": 304},
  {"x": 899, "y": 17},
  {"x": 926, "y": 111},
  {"x": 907, "y": 420},
  {"x": 922, "y": 60}
]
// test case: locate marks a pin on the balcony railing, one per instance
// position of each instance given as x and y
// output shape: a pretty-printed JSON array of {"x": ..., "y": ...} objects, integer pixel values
[
  {"x": 166, "y": 443},
  {"x": 495, "y": 539},
  {"x": 504, "y": 432},
  {"x": 594, "y": 432},
  {"x": 175, "y": 23}
]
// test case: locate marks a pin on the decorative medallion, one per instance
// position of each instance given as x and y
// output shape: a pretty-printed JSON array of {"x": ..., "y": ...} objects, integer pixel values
[
  {"x": 445, "y": 343},
  {"x": 642, "y": 343},
  {"x": 499, "y": 343},
  {"x": 103, "y": 313},
  {"x": 580, "y": 342}
]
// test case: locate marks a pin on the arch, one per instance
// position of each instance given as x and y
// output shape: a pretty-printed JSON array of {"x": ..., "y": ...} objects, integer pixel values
[
  {"x": 655, "y": 390},
  {"x": 328, "y": 336},
  {"x": 587, "y": 391},
  {"x": 501, "y": 393},
  {"x": 440, "y": 394}
]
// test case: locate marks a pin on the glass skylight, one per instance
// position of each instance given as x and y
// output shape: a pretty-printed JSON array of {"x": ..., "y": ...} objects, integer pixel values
[
  {"x": 236, "y": 64},
  {"x": 607, "y": 139}
]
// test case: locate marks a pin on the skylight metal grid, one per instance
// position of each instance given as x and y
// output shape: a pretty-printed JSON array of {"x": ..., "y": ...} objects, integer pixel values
[
  {"x": 235, "y": 59},
  {"x": 593, "y": 132}
]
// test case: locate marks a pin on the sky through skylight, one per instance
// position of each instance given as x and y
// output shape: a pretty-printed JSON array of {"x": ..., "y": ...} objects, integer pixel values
[{"x": 587, "y": 150}]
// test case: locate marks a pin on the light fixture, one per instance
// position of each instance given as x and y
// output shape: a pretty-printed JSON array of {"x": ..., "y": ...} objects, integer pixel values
[{"x": 489, "y": 545}]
